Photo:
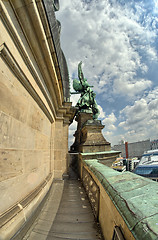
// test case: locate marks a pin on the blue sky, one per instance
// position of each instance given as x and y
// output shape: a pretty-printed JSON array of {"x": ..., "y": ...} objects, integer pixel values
[{"x": 117, "y": 41}]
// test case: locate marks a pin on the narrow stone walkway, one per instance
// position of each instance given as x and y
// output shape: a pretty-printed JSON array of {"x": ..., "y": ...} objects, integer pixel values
[{"x": 67, "y": 214}]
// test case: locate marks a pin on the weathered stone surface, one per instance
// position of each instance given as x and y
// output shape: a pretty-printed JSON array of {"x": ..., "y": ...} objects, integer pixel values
[
  {"x": 81, "y": 119},
  {"x": 25, "y": 134},
  {"x": 126, "y": 200},
  {"x": 11, "y": 101},
  {"x": 106, "y": 157},
  {"x": 71, "y": 215},
  {"x": 10, "y": 163},
  {"x": 92, "y": 139},
  {"x": 88, "y": 137},
  {"x": 33, "y": 114}
]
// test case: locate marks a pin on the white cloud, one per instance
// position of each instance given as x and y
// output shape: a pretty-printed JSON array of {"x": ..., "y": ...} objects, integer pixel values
[
  {"x": 141, "y": 119},
  {"x": 116, "y": 43},
  {"x": 109, "y": 122},
  {"x": 107, "y": 38},
  {"x": 75, "y": 98},
  {"x": 131, "y": 88},
  {"x": 72, "y": 129},
  {"x": 102, "y": 113}
]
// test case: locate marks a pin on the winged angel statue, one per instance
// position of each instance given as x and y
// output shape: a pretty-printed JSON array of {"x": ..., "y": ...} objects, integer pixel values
[{"x": 86, "y": 102}]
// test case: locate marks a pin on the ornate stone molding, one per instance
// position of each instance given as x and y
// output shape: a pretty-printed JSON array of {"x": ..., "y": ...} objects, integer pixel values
[{"x": 49, "y": 88}]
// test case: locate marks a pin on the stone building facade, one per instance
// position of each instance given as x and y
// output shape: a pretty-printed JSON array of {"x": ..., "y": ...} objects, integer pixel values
[{"x": 34, "y": 108}]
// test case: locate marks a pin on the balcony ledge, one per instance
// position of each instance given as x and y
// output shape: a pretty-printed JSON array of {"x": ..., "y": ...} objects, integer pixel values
[{"x": 135, "y": 198}]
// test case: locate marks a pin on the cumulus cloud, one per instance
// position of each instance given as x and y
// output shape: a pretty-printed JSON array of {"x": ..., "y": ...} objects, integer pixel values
[
  {"x": 116, "y": 41},
  {"x": 110, "y": 40},
  {"x": 131, "y": 88},
  {"x": 102, "y": 113},
  {"x": 109, "y": 122},
  {"x": 141, "y": 119}
]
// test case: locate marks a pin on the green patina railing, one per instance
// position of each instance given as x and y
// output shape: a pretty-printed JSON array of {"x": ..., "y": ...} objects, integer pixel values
[{"x": 135, "y": 198}]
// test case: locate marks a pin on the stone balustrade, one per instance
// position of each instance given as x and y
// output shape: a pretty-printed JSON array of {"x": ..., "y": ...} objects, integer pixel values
[{"x": 125, "y": 204}]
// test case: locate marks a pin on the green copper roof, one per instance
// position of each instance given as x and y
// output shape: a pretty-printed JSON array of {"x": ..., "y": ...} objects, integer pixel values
[
  {"x": 100, "y": 153},
  {"x": 135, "y": 197}
]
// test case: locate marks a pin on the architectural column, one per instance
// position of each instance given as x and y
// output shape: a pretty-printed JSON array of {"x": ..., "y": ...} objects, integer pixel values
[
  {"x": 65, "y": 146},
  {"x": 52, "y": 148},
  {"x": 58, "y": 149}
]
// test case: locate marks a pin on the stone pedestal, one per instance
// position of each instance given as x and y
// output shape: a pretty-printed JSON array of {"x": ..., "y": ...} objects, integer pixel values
[
  {"x": 88, "y": 137},
  {"x": 92, "y": 139},
  {"x": 90, "y": 143},
  {"x": 81, "y": 118}
]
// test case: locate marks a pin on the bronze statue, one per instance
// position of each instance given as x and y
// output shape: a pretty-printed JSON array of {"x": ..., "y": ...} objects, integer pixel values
[{"x": 86, "y": 102}]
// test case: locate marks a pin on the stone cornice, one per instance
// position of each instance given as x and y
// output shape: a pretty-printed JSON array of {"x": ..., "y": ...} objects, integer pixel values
[
  {"x": 67, "y": 112},
  {"x": 20, "y": 47},
  {"x": 30, "y": 21},
  {"x": 46, "y": 27},
  {"x": 40, "y": 42},
  {"x": 32, "y": 14}
]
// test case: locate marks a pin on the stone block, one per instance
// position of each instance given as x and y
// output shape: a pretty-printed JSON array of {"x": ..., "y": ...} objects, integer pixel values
[
  {"x": 45, "y": 156},
  {"x": 11, "y": 100},
  {"x": 58, "y": 165},
  {"x": 58, "y": 143},
  {"x": 35, "y": 118},
  {"x": 4, "y": 130},
  {"x": 88, "y": 137},
  {"x": 58, "y": 174},
  {"x": 10, "y": 163},
  {"x": 57, "y": 155},
  {"x": 31, "y": 160},
  {"x": 42, "y": 141}
]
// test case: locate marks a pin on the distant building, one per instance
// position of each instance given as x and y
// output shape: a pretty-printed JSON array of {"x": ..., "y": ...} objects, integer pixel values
[
  {"x": 154, "y": 144},
  {"x": 135, "y": 149}
]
